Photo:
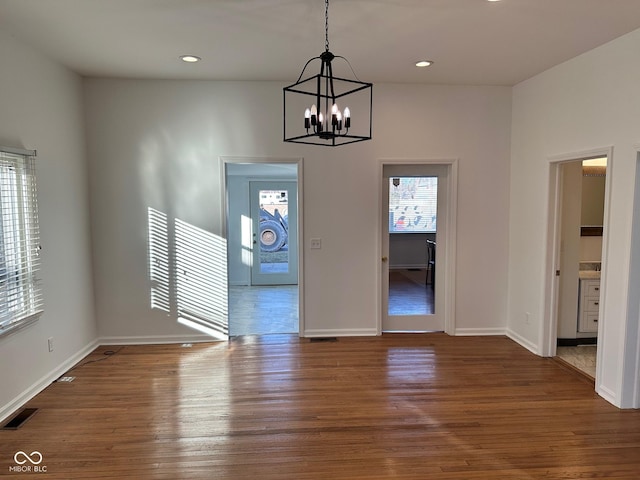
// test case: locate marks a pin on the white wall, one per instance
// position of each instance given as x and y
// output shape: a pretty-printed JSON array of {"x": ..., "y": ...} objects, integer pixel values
[
  {"x": 590, "y": 249},
  {"x": 409, "y": 250},
  {"x": 474, "y": 125},
  {"x": 42, "y": 109},
  {"x": 157, "y": 144},
  {"x": 590, "y": 102}
]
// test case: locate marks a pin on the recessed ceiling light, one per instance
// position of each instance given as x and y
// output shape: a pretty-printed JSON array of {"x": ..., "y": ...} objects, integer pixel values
[
  {"x": 190, "y": 58},
  {"x": 424, "y": 63},
  {"x": 493, "y": 0}
]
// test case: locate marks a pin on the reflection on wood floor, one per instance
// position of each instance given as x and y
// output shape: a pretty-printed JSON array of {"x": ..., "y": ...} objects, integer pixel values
[
  {"x": 408, "y": 293},
  {"x": 277, "y": 407},
  {"x": 260, "y": 310}
]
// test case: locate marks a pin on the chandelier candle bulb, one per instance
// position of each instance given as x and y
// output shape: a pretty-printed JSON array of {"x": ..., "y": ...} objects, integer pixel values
[
  {"x": 347, "y": 117},
  {"x": 334, "y": 115},
  {"x": 307, "y": 119},
  {"x": 314, "y": 115}
]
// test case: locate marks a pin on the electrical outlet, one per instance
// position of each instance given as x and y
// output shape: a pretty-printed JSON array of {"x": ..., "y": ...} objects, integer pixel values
[
  {"x": 316, "y": 243},
  {"x": 50, "y": 343},
  {"x": 527, "y": 318}
]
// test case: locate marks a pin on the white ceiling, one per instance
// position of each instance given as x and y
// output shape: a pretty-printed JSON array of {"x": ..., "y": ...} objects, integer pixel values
[{"x": 471, "y": 41}]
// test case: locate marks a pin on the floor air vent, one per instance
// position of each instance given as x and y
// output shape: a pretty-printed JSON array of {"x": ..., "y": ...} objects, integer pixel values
[
  {"x": 20, "y": 419},
  {"x": 323, "y": 339}
]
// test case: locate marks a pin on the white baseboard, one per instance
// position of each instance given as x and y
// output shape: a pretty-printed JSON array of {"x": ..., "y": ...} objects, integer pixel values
[
  {"x": 352, "y": 332},
  {"x": 421, "y": 266},
  {"x": 10, "y": 408},
  {"x": 479, "y": 332},
  {"x": 14, "y": 405},
  {"x": 156, "y": 339},
  {"x": 532, "y": 347},
  {"x": 609, "y": 395}
]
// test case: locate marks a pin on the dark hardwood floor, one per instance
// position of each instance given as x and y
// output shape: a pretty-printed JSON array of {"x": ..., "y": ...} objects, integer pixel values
[
  {"x": 279, "y": 407},
  {"x": 409, "y": 294}
]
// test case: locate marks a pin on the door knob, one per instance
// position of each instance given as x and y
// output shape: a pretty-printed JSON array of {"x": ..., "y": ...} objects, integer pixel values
[{"x": 384, "y": 259}]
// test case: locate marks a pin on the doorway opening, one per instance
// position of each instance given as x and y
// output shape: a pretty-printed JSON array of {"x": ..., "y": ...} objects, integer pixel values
[
  {"x": 579, "y": 189},
  {"x": 417, "y": 213},
  {"x": 413, "y": 212},
  {"x": 263, "y": 225}
]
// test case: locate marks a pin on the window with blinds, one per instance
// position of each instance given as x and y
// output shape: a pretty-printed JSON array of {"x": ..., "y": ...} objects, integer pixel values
[
  {"x": 20, "y": 290},
  {"x": 413, "y": 204}
]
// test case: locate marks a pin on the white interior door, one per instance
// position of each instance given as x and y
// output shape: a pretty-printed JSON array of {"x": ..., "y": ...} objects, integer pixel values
[
  {"x": 392, "y": 322},
  {"x": 274, "y": 217}
]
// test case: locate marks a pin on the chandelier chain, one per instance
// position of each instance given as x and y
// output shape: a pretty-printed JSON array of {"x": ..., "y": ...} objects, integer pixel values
[{"x": 326, "y": 25}]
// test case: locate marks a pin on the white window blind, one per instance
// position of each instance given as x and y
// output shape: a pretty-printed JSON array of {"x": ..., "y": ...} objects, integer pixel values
[
  {"x": 413, "y": 204},
  {"x": 20, "y": 289}
]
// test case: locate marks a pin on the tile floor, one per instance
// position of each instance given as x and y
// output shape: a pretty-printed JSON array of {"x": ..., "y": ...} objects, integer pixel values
[
  {"x": 583, "y": 357},
  {"x": 261, "y": 310}
]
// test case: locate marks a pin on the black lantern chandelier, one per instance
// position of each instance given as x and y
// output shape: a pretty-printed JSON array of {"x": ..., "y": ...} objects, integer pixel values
[{"x": 313, "y": 103}]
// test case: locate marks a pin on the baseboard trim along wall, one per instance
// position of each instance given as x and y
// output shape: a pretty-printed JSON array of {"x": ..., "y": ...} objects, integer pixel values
[
  {"x": 7, "y": 410},
  {"x": 10, "y": 408},
  {"x": 418, "y": 266},
  {"x": 609, "y": 396},
  {"x": 156, "y": 339},
  {"x": 533, "y": 348},
  {"x": 480, "y": 332},
  {"x": 14, "y": 405},
  {"x": 352, "y": 332}
]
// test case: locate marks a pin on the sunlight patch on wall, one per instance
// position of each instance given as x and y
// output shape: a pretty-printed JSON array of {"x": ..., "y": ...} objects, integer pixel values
[
  {"x": 188, "y": 274},
  {"x": 201, "y": 279}
]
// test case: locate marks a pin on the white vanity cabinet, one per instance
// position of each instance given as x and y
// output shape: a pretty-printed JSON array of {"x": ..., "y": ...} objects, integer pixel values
[{"x": 589, "y": 305}]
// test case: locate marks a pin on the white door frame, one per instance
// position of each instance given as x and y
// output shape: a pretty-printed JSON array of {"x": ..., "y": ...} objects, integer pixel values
[
  {"x": 446, "y": 262},
  {"x": 224, "y": 206},
  {"x": 630, "y": 388},
  {"x": 549, "y": 327}
]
